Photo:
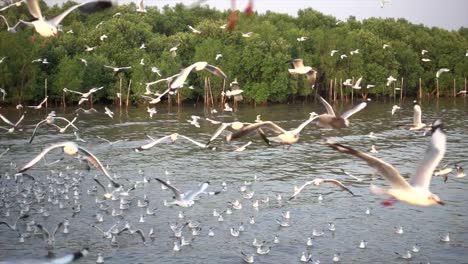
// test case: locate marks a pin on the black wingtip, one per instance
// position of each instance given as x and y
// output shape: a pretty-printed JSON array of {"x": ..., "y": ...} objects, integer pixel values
[
  {"x": 116, "y": 184},
  {"x": 79, "y": 254}
]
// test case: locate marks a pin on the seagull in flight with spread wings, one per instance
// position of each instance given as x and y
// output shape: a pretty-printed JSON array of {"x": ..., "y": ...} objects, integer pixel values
[
  {"x": 416, "y": 190},
  {"x": 331, "y": 120}
]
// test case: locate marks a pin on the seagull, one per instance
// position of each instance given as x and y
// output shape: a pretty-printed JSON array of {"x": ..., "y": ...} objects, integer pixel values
[
  {"x": 143, "y": 46},
  {"x": 317, "y": 182},
  {"x": 141, "y": 7},
  {"x": 171, "y": 137},
  {"x": 118, "y": 69},
  {"x": 89, "y": 49},
  {"x": 194, "y": 30},
  {"x": 13, "y": 226},
  {"x": 395, "y": 108},
  {"x": 84, "y": 61},
  {"x": 390, "y": 80},
  {"x": 370, "y": 86},
  {"x": 72, "y": 149},
  {"x": 357, "y": 84},
  {"x": 108, "y": 112},
  {"x": 424, "y": 51},
  {"x": 156, "y": 70},
  {"x": 49, "y": 120},
  {"x": 330, "y": 120},
  {"x": 151, "y": 111},
  {"x": 247, "y": 35},
  {"x": 301, "y": 39},
  {"x": 417, "y": 124},
  {"x": 13, "y": 125},
  {"x": 62, "y": 260},
  {"x": 227, "y": 108},
  {"x": 332, "y": 52},
  {"x": 247, "y": 258},
  {"x": 426, "y": 59},
  {"x": 299, "y": 68},
  {"x": 386, "y": 46},
  {"x": 103, "y": 37},
  {"x": 99, "y": 24},
  {"x": 173, "y": 50},
  {"x": 49, "y": 28},
  {"x": 439, "y": 72},
  {"x": 356, "y": 51},
  {"x": 12, "y": 4},
  {"x": 49, "y": 236},
  {"x": 9, "y": 29},
  {"x": 39, "y": 106},
  {"x": 243, "y": 147},
  {"x": 284, "y": 137},
  {"x": 416, "y": 191},
  {"x": 218, "y": 56},
  {"x": 185, "y": 199},
  {"x": 197, "y": 66},
  {"x": 342, "y": 56},
  {"x": 2, "y": 59},
  {"x": 384, "y": 2},
  {"x": 84, "y": 96}
]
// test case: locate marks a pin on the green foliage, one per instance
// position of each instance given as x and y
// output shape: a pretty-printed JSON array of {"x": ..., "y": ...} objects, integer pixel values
[{"x": 259, "y": 62}]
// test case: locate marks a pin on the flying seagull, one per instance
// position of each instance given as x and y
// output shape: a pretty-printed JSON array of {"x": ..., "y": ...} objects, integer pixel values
[
  {"x": 417, "y": 124},
  {"x": 72, "y": 149},
  {"x": 317, "y": 182},
  {"x": 284, "y": 137},
  {"x": 197, "y": 66},
  {"x": 185, "y": 199},
  {"x": 49, "y": 28},
  {"x": 416, "y": 191},
  {"x": 330, "y": 120}
]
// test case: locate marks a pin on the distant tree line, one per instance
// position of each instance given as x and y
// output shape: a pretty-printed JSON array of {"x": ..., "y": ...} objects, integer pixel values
[{"x": 259, "y": 63}]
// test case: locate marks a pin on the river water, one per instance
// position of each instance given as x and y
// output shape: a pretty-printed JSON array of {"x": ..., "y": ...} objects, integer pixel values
[{"x": 271, "y": 171}]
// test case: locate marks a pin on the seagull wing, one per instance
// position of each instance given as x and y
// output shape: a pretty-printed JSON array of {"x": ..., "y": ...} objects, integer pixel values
[
  {"x": 434, "y": 153},
  {"x": 34, "y": 9},
  {"x": 8, "y": 121},
  {"x": 353, "y": 110},
  {"x": 194, "y": 193},
  {"x": 194, "y": 142},
  {"x": 385, "y": 169},
  {"x": 179, "y": 81},
  {"x": 417, "y": 115},
  {"x": 152, "y": 144},
  {"x": 35, "y": 129},
  {"x": 138, "y": 231},
  {"x": 100, "y": 184},
  {"x": 218, "y": 132},
  {"x": 70, "y": 123},
  {"x": 57, "y": 228},
  {"x": 88, "y": 6},
  {"x": 177, "y": 193},
  {"x": 253, "y": 127},
  {"x": 40, "y": 156},
  {"x": 216, "y": 71},
  {"x": 19, "y": 121},
  {"x": 328, "y": 107},
  {"x": 45, "y": 231},
  {"x": 299, "y": 190},
  {"x": 93, "y": 160},
  {"x": 339, "y": 184},
  {"x": 303, "y": 125}
]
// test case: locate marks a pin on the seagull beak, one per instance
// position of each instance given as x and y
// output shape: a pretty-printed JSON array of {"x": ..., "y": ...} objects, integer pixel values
[{"x": 440, "y": 202}]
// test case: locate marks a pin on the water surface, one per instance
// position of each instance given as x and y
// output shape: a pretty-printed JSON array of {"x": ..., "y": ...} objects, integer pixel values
[{"x": 277, "y": 170}]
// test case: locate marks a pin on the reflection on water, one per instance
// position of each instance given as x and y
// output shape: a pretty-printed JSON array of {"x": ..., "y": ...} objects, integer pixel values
[{"x": 277, "y": 170}]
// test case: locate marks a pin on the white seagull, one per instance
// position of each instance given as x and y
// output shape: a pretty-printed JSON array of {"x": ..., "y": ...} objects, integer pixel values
[
  {"x": 49, "y": 28},
  {"x": 317, "y": 182},
  {"x": 416, "y": 191},
  {"x": 197, "y": 66},
  {"x": 10, "y": 29},
  {"x": 141, "y": 7},
  {"x": 439, "y": 72},
  {"x": 13, "y": 125},
  {"x": 331, "y": 120},
  {"x": 72, "y": 149},
  {"x": 186, "y": 199},
  {"x": 417, "y": 124},
  {"x": 196, "y": 31}
]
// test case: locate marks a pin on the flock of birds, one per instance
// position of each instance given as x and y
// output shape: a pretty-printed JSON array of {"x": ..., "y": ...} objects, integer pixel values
[{"x": 27, "y": 196}]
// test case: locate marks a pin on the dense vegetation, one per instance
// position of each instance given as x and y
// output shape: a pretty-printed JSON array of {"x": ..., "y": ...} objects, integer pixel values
[{"x": 258, "y": 62}]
